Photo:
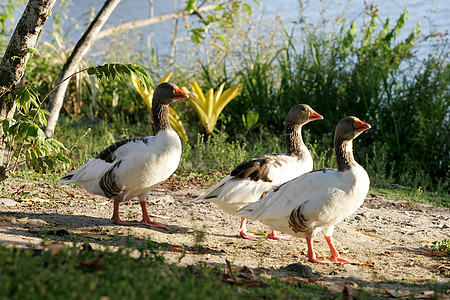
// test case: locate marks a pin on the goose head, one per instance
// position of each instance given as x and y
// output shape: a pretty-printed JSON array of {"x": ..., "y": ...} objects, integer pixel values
[
  {"x": 301, "y": 114},
  {"x": 349, "y": 128},
  {"x": 168, "y": 93}
]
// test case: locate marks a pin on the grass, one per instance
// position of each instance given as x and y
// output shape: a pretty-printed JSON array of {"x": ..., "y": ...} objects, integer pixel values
[
  {"x": 85, "y": 273},
  {"x": 410, "y": 194}
]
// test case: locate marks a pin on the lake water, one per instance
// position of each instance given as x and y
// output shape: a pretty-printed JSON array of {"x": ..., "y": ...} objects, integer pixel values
[{"x": 434, "y": 16}]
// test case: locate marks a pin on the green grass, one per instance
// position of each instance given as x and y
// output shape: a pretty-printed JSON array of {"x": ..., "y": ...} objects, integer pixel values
[
  {"x": 410, "y": 194},
  {"x": 74, "y": 273}
]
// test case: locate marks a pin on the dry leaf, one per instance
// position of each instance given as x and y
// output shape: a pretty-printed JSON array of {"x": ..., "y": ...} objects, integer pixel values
[
  {"x": 389, "y": 293},
  {"x": 21, "y": 220},
  {"x": 70, "y": 194},
  {"x": 176, "y": 249},
  {"x": 341, "y": 286},
  {"x": 428, "y": 293},
  {"x": 95, "y": 263},
  {"x": 370, "y": 234},
  {"x": 434, "y": 253},
  {"x": 54, "y": 248},
  {"x": 293, "y": 278},
  {"x": 368, "y": 264}
]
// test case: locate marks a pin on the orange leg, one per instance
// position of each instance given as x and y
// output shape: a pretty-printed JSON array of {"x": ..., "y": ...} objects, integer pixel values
[
  {"x": 272, "y": 235},
  {"x": 335, "y": 257},
  {"x": 243, "y": 231},
  {"x": 146, "y": 219},
  {"x": 115, "y": 217},
  {"x": 312, "y": 256}
]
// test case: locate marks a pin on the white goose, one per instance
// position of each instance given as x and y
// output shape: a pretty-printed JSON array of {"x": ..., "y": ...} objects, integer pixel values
[
  {"x": 132, "y": 167},
  {"x": 316, "y": 201},
  {"x": 258, "y": 175}
]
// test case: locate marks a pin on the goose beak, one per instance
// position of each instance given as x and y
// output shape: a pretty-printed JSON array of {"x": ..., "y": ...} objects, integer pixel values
[
  {"x": 179, "y": 94},
  {"x": 313, "y": 115},
  {"x": 360, "y": 126}
]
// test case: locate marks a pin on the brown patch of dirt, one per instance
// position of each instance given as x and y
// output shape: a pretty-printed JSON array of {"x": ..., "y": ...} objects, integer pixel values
[{"x": 390, "y": 238}]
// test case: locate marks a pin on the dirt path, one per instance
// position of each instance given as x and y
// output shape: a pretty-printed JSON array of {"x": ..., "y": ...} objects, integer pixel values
[{"x": 390, "y": 238}]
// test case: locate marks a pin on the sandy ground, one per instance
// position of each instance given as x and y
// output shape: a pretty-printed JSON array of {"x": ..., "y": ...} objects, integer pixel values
[{"x": 390, "y": 238}]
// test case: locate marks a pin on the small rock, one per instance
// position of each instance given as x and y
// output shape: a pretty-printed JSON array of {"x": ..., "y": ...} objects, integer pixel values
[
  {"x": 37, "y": 222},
  {"x": 360, "y": 217},
  {"x": 301, "y": 270},
  {"x": 7, "y": 202}
]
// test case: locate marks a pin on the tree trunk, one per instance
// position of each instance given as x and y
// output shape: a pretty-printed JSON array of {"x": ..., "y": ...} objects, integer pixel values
[
  {"x": 14, "y": 61},
  {"x": 70, "y": 67}
]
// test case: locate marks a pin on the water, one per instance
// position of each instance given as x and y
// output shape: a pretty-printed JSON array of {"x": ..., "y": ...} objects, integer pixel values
[{"x": 434, "y": 16}]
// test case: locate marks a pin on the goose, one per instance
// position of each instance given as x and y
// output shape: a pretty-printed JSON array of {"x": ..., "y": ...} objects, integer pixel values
[
  {"x": 258, "y": 175},
  {"x": 316, "y": 201},
  {"x": 132, "y": 167}
]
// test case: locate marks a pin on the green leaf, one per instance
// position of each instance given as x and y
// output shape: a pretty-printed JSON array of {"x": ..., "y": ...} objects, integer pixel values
[
  {"x": 251, "y": 120},
  {"x": 27, "y": 130},
  {"x": 191, "y": 6},
  {"x": 247, "y": 9},
  {"x": 40, "y": 118},
  {"x": 5, "y": 126}
]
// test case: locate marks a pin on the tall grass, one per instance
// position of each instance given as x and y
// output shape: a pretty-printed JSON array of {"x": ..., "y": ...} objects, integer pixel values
[{"x": 368, "y": 72}]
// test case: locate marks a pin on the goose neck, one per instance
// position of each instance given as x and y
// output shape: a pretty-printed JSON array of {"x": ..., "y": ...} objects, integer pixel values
[
  {"x": 160, "y": 114},
  {"x": 343, "y": 150},
  {"x": 294, "y": 140}
]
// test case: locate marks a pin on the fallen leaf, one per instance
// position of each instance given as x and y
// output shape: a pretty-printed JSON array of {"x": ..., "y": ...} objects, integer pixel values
[
  {"x": 434, "y": 253},
  {"x": 389, "y": 293},
  {"x": 54, "y": 248},
  {"x": 341, "y": 286},
  {"x": 246, "y": 269},
  {"x": 428, "y": 293},
  {"x": 21, "y": 220},
  {"x": 368, "y": 264},
  {"x": 370, "y": 234},
  {"x": 293, "y": 278},
  {"x": 95, "y": 263},
  {"x": 70, "y": 194},
  {"x": 176, "y": 249}
]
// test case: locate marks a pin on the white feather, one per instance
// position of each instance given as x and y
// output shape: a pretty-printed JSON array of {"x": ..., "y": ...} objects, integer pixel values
[
  {"x": 327, "y": 197},
  {"x": 231, "y": 194},
  {"x": 143, "y": 165}
]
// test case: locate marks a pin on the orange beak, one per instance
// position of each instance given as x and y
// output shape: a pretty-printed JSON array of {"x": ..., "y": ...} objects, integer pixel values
[
  {"x": 313, "y": 115},
  {"x": 179, "y": 94},
  {"x": 361, "y": 126}
]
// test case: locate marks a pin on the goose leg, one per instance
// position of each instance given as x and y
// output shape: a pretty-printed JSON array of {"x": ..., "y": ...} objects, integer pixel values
[
  {"x": 115, "y": 217},
  {"x": 146, "y": 219},
  {"x": 335, "y": 257},
  {"x": 273, "y": 235},
  {"x": 243, "y": 231},
  {"x": 312, "y": 256}
]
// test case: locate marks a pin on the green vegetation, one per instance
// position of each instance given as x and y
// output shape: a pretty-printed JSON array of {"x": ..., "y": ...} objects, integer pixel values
[
  {"x": 367, "y": 71},
  {"x": 139, "y": 273},
  {"x": 443, "y": 246}
]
